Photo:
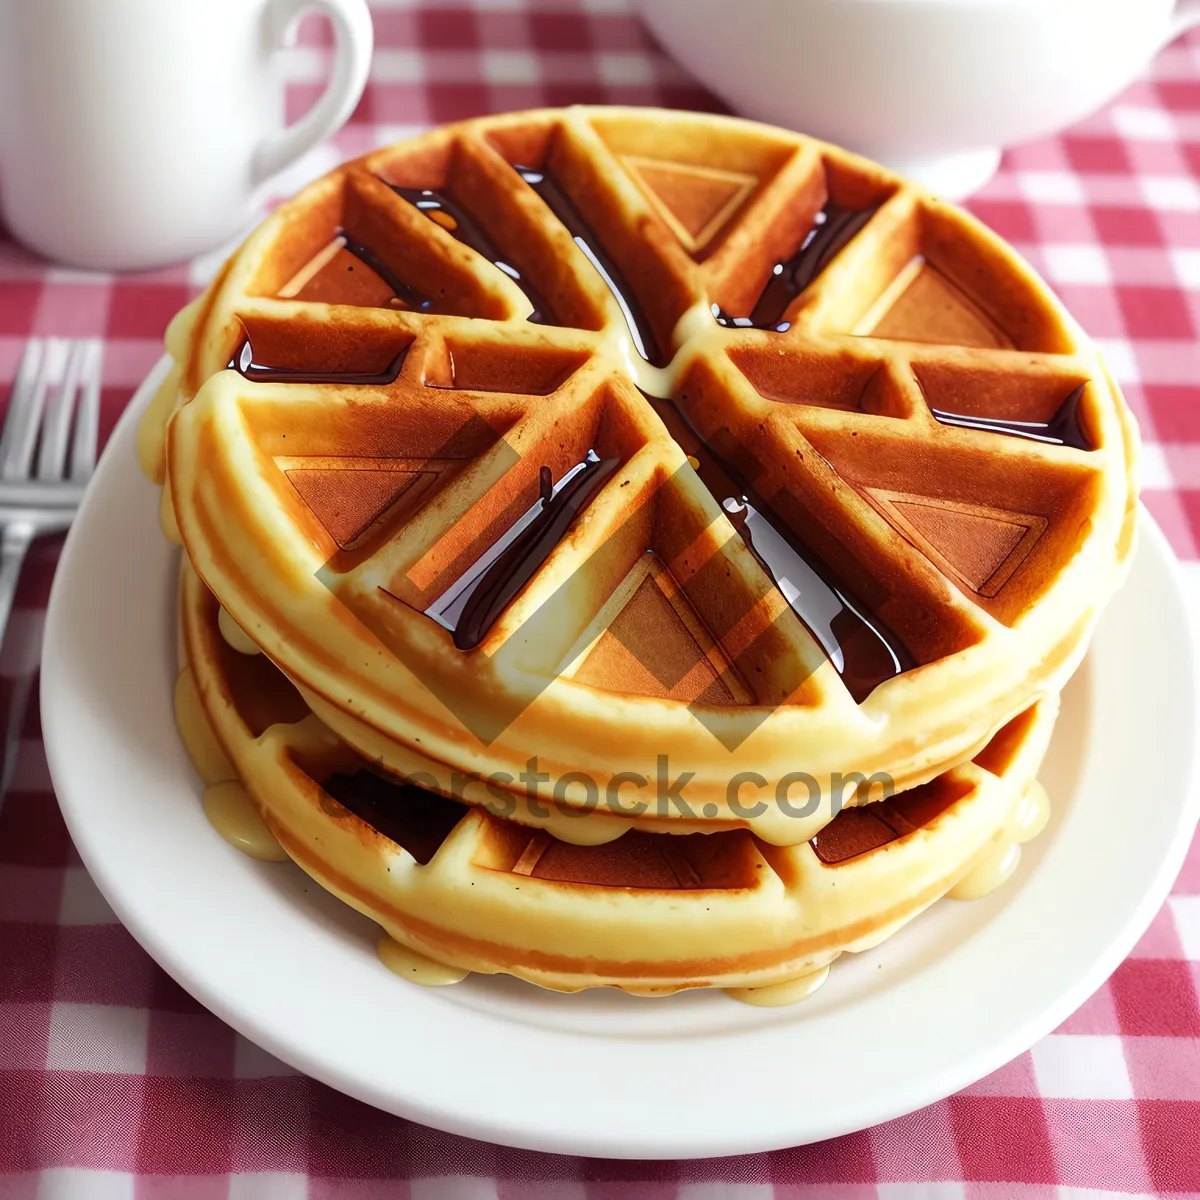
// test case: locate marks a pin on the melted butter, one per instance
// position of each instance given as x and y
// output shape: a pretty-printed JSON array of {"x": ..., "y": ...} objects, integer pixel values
[
  {"x": 586, "y": 829},
  {"x": 152, "y": 429},
  {"x": 166, "y": 516},
  {"x": 235, "y": 636},
  {"x": 996, "y": 867},
  {"x": 693, "y": 327},
  {"x": 415, "y": 967},
  {"x": 993, "y": 869},
  {"x": 196, "y": 733},
  {"x": 178, "y": 338},
  {"x": 232, "y": 814},
  {"x": 1032, "y": 814},
  {"x": 776, "y": 995}
]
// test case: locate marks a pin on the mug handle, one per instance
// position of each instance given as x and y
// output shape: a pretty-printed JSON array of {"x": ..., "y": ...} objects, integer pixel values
[{"x": 354, "y": 39}]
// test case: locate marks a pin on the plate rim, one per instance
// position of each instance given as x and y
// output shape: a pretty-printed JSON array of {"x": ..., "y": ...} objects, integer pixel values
[{"x": 632, "y": 1140}]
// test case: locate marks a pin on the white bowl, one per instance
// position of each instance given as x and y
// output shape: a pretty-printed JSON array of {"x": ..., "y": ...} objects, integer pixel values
[{"x": 932, "y": 88}]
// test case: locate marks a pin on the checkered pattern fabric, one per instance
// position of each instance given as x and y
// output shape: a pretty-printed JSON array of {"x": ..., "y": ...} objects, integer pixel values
[{"x": 115, "y": 1083}]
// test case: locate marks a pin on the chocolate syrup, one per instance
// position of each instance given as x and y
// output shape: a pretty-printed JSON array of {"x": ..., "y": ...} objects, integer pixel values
[
  {"x": 864, "y": 651},
  {"x": 1063, "y": 429},
  {"x": 832, "y": 229},
  {"x": 467, "y": 230},
  {"x": 469, "y": 608},
  {"x": 243, "y": 362},
  {"x": 413, "y": 818},
  {"x": 407, "y": 295},
  {"x": 563, "y": 207}
]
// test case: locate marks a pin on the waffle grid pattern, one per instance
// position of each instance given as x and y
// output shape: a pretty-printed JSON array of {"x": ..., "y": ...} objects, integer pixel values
[
  {"x": 113, "y": 1083},
  {"x": 830, "y": 411}
]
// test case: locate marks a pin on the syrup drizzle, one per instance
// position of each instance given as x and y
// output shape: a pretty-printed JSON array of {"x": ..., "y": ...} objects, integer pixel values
[
  {"x": 862, "y": 649},
  {"x": 459, "y": 223},
  {"x": 832, "y": 229},
  {"x": 243, "y": 362},
  {"x": 471, "y": 605},
  {"x": 408, "y": 296},
  {"x": 563, "y": 207},
  {"x": 1063, "y": 429}
]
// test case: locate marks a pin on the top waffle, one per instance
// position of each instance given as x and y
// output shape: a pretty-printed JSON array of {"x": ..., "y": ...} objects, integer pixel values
[{"x": 684, "y": 454}]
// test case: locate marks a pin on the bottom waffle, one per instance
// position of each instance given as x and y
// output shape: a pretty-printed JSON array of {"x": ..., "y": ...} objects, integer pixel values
[{"x": 457, "y": 889}]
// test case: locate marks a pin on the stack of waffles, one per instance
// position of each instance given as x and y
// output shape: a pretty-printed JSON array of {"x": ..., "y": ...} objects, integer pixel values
[{"x": 632, "y": 548}]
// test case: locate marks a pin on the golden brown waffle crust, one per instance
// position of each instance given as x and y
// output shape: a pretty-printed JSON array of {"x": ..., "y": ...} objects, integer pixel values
[
  {"x": 789, "y": 917},
  {"x": 245, "y": 542}
]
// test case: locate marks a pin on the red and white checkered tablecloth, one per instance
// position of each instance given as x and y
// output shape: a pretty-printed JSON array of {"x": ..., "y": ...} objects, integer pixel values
[{"x": 115, "y": 1083}]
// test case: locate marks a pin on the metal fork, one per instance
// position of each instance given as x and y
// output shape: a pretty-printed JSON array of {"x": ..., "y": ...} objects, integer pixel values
[{"x": 47, "y": 455}]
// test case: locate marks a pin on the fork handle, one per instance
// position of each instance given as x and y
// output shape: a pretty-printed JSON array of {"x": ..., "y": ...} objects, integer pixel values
[{"x": 15, "y": 539}]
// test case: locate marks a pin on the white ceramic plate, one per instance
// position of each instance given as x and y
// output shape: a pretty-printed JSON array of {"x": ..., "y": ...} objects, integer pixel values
[{"x": 971, "y": 985}]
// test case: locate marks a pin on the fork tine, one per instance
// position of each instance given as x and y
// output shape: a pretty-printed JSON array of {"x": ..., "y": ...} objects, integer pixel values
[
  {"x": 56, "y": 424},
  {"x": 87, "y": 416},
  {"x": 23, "y": 405},
  {"x": 54, "y": 359}
]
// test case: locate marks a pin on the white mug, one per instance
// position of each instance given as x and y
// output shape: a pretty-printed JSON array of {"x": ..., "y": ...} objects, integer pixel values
[
  {"x": 135, "y": 133},
  {"x": 932, "y": 88}
]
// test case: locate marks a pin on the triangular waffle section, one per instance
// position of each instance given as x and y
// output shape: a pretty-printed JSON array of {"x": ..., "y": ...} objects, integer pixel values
[
  {"x": 695, "y": 202},
  {"x": 350, "y": 501},
  {"x": 656, "y": 645},
  {"x": 923, "y": 305},
  {"x": 334, "y": 275},
  {"x": 635, "y": 860},
  {"x": 979, "y": 546},
  {"x": 647, "y": 861}
]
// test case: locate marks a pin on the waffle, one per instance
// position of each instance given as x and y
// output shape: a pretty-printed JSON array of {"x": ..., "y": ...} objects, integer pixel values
[
  {"x": 648, "y": 446},
  {"x": 457, "y": 889}
]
